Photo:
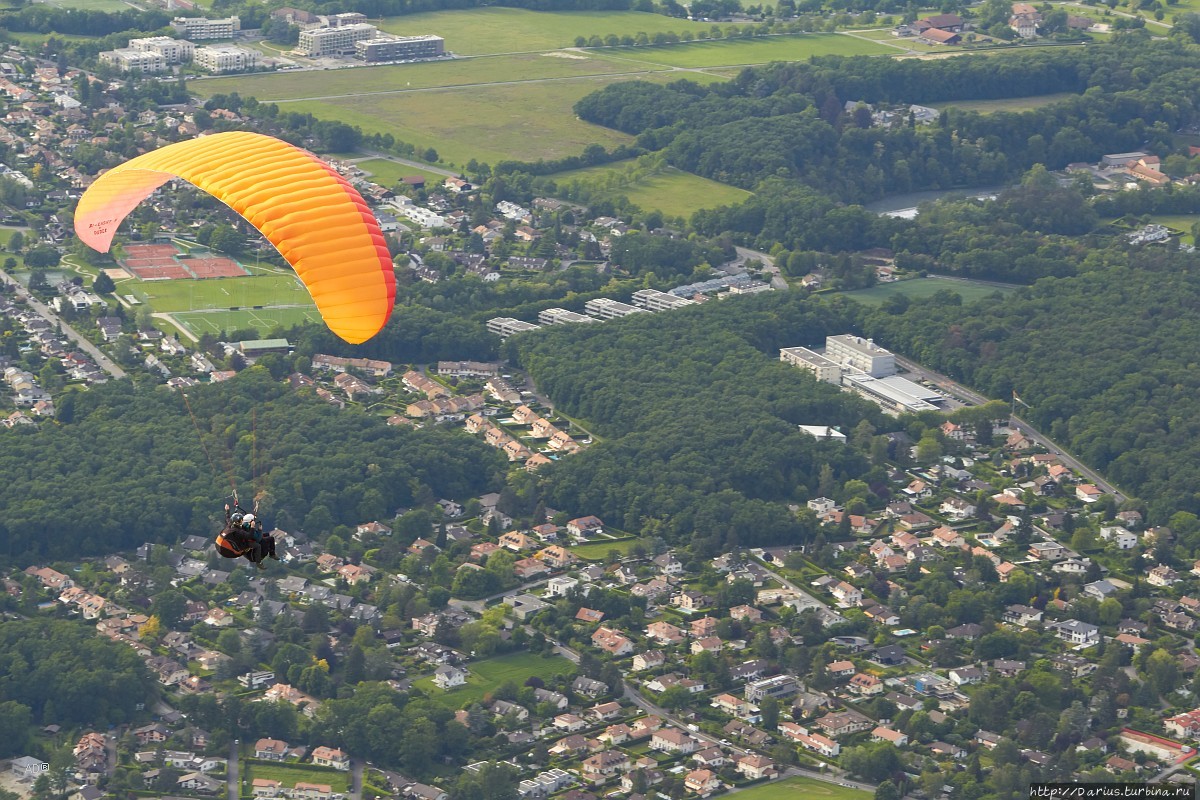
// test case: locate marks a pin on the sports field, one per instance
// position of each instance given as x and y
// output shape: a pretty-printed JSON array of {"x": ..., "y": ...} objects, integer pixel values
[
  {"x": 673, "y": 192},
  {"x": 920, "y": 288},
  {"x": 262, "y": 319},
  {"x": 735, "y": 52},
  {"x": 192, "y": 295},
  {"x": 90, "y": 5},
  {"x": 485, "y": 676},
  {"x": 1005, "y": 104},
  {"x": 803, "y": 789},
  {"x": 478, "y": 31}
]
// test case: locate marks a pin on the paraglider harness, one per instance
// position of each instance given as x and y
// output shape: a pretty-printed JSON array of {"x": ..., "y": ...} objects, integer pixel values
[{"x": 235, "y": 540}]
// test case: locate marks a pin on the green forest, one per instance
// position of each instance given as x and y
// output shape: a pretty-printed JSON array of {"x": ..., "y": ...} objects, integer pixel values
[
  {"x": 698, "y": 418},
  {"x": 313, "y": 466}
]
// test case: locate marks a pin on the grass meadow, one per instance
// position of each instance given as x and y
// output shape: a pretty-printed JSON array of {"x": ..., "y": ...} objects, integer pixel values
[
  {"x": 389, "y": 173},
  {"x": 486, "y": 675},
  {"x": 290, "y": 776},
  {"x": 761, "y": 50},
  {"x": 673, "y": 192},
  {"x": 920, "y": 288},
  {"x": 1006, "y": 104}
]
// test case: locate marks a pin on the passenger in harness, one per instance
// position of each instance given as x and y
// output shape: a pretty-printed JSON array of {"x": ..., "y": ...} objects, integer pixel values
[{"x": 243, "y": 536}]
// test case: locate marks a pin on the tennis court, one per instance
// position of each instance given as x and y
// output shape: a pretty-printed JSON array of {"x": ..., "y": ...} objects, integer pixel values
[
  {"x": 151, "y": 250},
  {"x": 164, "y": 272},
  {"x": 214, "y": 267}
]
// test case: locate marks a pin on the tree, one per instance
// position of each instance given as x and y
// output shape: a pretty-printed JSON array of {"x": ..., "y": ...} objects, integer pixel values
[
  {"x": 770, "y": 713},
  {"x": 103, "y": 284}
]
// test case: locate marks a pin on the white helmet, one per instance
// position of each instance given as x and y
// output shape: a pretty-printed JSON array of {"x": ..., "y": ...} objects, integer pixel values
[{"x": 248, "y": 519}]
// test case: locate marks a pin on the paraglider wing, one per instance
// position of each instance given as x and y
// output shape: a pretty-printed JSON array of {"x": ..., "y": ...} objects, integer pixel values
[{"x": 316, "y": 220}]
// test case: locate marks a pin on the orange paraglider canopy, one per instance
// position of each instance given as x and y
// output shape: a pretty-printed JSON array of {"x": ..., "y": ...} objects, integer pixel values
[{"x": 316, "y": 220}]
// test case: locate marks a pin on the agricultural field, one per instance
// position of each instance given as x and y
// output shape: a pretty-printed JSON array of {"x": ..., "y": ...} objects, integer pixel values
[
  {"x": 761, "y": 50},
  {"x": 261, "y": 319},
  {"x": 673, "y": 192},
  {"x": 290, "y": 776},
  {"x": 803, "y": 789},
  {"x": 374, "y": 81},
  {"x": 223, "y": 293},
  {"x": 389, "y": 173},
  {"x": 1006, "y": 104},
  {"x": 486, "y": 675},
  {"x": 920, "y": 288},
  {"x": 481, "y": 31}
]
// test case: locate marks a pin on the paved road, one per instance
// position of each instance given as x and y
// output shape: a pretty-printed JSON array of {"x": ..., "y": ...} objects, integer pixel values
[
  {"x": 356, "y": 778},
  {"x": 828, "y": 616},
  {"x": 971, "y": 396},
  {"x": 234, "y": 780},
  {"x": 102, "y": 360}
]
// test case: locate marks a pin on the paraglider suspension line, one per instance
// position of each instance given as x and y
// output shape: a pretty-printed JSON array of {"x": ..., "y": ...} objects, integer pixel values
[{"x": 204, "y": 447}]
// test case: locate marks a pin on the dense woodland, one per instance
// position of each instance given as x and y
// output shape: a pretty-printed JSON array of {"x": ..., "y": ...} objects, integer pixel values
[
  {"x": 315, "y": 466},
  {"x": 697, "y": 418}
]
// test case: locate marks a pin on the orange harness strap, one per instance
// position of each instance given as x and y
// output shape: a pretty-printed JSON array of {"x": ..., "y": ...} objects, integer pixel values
[{"x": 223, "y": 542}]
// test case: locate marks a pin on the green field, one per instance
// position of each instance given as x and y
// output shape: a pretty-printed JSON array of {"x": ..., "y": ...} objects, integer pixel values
[
  {"x": 389, "y": 173},
  {"x": 487, "y": 675},
  {"x": 803, "y": 789},
  {"x": 261, "y": 320},
  {"x": 480, "y": 31},
  {"x": 1179, "y": 222},
  {"x": 1005, "y": 104},
  {"x": 920, "y": 288},
  {"x": 402, "y": 78},
  {"x": 290, "y": 776},
  {"x": 673, "y": 192},
  {"x": 192, "y": 295},
  {"x": 734, "y": 52},
  {"x": 597, "y": 551},
  {"x": 90, "y": 5}
]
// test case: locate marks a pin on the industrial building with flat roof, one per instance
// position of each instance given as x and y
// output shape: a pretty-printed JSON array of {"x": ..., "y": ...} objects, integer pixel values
[
  {"x": 604, "y": 308},
  {"x": 864, "y": 355},
  {"x": 339, "y": 41},
  {"x": 654, "y": 300},
  {"x": 814, "y": 362},
  {"x": 384, "y": 47},
  {"x": 507, "y": 326},
  {"x": 894, "y": 392},
  {"x": 561, "y": 316}
]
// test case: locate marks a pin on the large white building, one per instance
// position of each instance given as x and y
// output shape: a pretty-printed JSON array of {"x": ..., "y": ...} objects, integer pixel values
[
  {"x": 196, "y": 28},
  {"x": 817, "y": 364},
  {"x": 855, "y": 352},
  {"x": 507, "y": 326},
  {"x": 384, "y": 47},
  {"x": 654, "y": 300},
  {"x": 339, "y": 41},
  {"x": 561, "y": 316},
  {"x": 127, "y": 59},
  {"x": 604, "y": 308},
  {"x": 174, "y": 51},
  {"x": 227, "y": 58}
]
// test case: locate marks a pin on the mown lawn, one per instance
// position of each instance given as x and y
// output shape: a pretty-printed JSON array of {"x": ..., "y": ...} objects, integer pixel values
[
  {"x": 734, "y": 52},
  {"x": 512, "y": 30},
  {"x": 673, "y": 192},
  {"x": 802, "y": 789},
  {"x": 919, "y": 288},
  {"x": 598, "y": 550},
  {"x": 485, "y": 676},
  {"x": 389, "y": 173},
  {"x": 290, "y": 776}
]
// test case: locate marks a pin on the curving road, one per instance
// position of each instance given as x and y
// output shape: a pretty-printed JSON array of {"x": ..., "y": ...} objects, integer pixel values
[{"x": 86, "y": 346}]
